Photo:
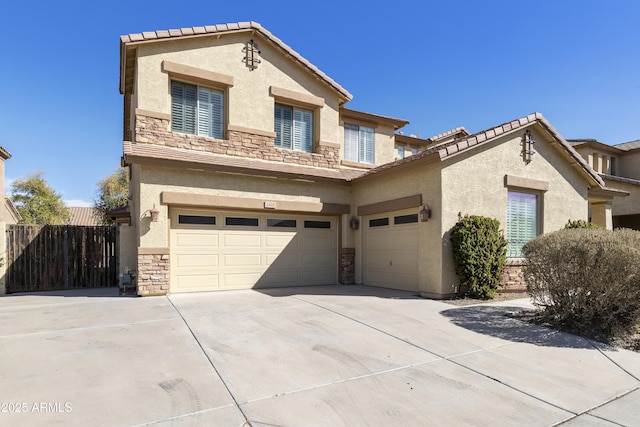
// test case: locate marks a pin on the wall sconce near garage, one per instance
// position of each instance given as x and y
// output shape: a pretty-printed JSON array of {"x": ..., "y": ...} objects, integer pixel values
[
  {"x": 354, "y": 224},
  {"x": 425, "y": 213},
  {"x": 153, "y": 213}
]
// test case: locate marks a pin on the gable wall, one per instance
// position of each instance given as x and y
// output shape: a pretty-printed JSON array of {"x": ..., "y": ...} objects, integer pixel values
[
  {"x": 474, "y": 184},
  {"x": 249, "y": 102}
]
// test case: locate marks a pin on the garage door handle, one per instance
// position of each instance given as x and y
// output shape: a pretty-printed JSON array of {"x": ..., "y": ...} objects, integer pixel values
[{"x": 390, "y": 262}]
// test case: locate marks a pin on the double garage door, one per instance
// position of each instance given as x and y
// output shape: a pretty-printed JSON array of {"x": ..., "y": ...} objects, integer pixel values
[
  {"x": 391, "y": 250},
  {"x": 240, "y": 250}
]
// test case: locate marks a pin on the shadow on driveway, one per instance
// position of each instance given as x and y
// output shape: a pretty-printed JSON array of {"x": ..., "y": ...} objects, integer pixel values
[
  {"x": 495, "y": 321},
  {"x": 113, "y": 291},
  {"x": 341, "y": 290}
]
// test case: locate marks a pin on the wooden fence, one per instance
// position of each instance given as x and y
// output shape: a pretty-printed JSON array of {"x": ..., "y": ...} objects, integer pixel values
[{"x": 54, "y": 257}]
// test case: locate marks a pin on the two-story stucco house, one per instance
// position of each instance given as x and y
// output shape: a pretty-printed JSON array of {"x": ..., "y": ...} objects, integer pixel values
[
  {"x": 248, "y": 170},
  {"x": 619, "y": 167}
]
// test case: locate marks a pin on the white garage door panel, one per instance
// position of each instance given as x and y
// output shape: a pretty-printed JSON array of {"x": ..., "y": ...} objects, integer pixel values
[
  {"x": 197, "y": 260},
  {"x": 280, "y": 240},
  {"x": 248, "y": 260},
  {"x": 321, "y": 241},
  {"x": 390, "y": 257},
  {"x": 242, "y": 240},
  {"x": 283, "y": 261},
  {"x": 317, "y": 260},
  {"x": 240, "y": 279},
  {"x": 197, "y": 239},
  {"x": 216, "y": 256},
  {"x": 194, "y": 281}
]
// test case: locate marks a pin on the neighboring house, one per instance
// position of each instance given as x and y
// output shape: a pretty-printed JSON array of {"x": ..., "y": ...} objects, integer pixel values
[
  {"x": 81, "y": 215},
  {"x": 8, "y": 212},
  {"x": 619, "y": 166},
  {"x": 247, "y": 170}
]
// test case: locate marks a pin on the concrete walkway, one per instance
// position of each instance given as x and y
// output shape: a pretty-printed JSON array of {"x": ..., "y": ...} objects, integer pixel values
[{"x": 326, "y": 356}]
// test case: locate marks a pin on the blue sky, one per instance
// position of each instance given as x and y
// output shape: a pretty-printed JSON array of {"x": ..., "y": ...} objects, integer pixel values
[{"x": 438, "y": 64}]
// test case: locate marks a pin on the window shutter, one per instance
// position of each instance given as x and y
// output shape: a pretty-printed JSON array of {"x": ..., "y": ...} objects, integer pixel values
[
  {"x": 204, "y": 112},
  {"x": 177, "y": 107},
  {"x": 190, "y": 106},
  {"x": 210, "y": 113},
  {"x": 367, "y": 145},
  {"x": 282, "y": 125},
  {"x": 303, "y": 130},
  {"x": 351, "y": 143},
  {"x": 183, "y": 107},
  {"x": 217, "y": 114}
]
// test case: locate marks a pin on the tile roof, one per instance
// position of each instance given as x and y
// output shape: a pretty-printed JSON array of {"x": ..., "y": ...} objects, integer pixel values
[
  {"x": 150, "y": 36},
  {"x": 155, "y": 154},
  {"x": 447, "y": 149},
  {"x": 443, "y": 135},
  {"x": 631, "y": 145},
  {"x": 82, "y": 216},
  {"x": 376, "y": 118}
]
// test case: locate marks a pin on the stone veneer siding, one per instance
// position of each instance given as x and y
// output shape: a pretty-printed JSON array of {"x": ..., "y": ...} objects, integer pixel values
[
  {"x": 512, "y": 277},
  {"x": 153, "y": 274},
  {"x": 347, "y": 272},
  {"x": 157, "y": 131}
]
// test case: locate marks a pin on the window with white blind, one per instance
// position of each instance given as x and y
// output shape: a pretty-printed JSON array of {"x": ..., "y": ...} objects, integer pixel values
[
  {"x": 401, "y": 151},
  {"x": 359, "y": 144},
  {"x": 522, "y": 221},
  {"x": 294, "y": 128},
  {"x": 197, "y": 110}
]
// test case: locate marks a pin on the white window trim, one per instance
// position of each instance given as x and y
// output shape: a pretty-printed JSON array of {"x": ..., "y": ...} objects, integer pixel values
[{"x": 361, "y": 155}]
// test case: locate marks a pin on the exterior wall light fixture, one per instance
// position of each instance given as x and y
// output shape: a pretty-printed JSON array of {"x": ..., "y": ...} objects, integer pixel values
[
  {"x": 354, "y": 223},
  {"x": 154, "y": 213},
  {"x": 425, "y": 213}
]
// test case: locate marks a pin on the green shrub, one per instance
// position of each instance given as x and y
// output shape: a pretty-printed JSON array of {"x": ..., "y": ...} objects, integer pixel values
[
  {"x": 479, "y": 254},
  {"x": 586, "y": 280},
  {"x": 579, "y": 223}
]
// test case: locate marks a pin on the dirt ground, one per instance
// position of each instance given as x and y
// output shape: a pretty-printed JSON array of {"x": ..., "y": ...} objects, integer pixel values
[{"x": 631, "y": 342}]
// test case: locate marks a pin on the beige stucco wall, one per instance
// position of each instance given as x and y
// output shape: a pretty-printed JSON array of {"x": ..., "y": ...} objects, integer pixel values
[
  {"x": 424, "y": 180},
  {"x": 128, "y": 259},
  {"x": 3, "y": 257},
  {"x": 156, "y": 180},
  {"x": 474, "y": 184},
  {"x": 249, "y": 102},
  {"x": 629, "y": 165},
  {"x": 629, "y": 205}
]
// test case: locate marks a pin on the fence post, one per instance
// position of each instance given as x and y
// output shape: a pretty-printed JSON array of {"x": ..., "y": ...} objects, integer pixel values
[
  {"x": 3, "y": 258},
  {"x": 66, "y": 257}
]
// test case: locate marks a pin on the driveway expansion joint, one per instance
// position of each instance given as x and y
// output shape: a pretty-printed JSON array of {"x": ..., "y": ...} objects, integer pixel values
[{"x": 224, "y": 383}]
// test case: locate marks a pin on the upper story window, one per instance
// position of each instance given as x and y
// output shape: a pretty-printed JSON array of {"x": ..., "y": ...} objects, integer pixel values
[
  {"x": 414, "y": 150},
  {"x": 197, "y": 110},
  {"x": 401, "y": 151},
  {"x": 359, "y": 144},
  {"x": 294, "y": 128}
]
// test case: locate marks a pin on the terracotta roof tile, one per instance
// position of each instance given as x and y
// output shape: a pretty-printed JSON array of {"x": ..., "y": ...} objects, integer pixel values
[{"x": 82, "y": 216}]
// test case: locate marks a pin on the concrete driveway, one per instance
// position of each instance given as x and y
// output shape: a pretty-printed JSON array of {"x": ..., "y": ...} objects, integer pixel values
[{"x": 329, "y": 356}]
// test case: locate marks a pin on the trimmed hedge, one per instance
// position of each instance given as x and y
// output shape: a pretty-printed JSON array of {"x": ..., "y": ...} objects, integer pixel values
[
  {"x": 479, "y": 254},
  {"x": 586, "y": 280}
]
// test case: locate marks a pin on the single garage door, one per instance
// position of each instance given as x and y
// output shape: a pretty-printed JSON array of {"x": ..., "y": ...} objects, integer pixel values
[
  {"x": 240, "y": 250},
  {"x": 391, "y": 250}
]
